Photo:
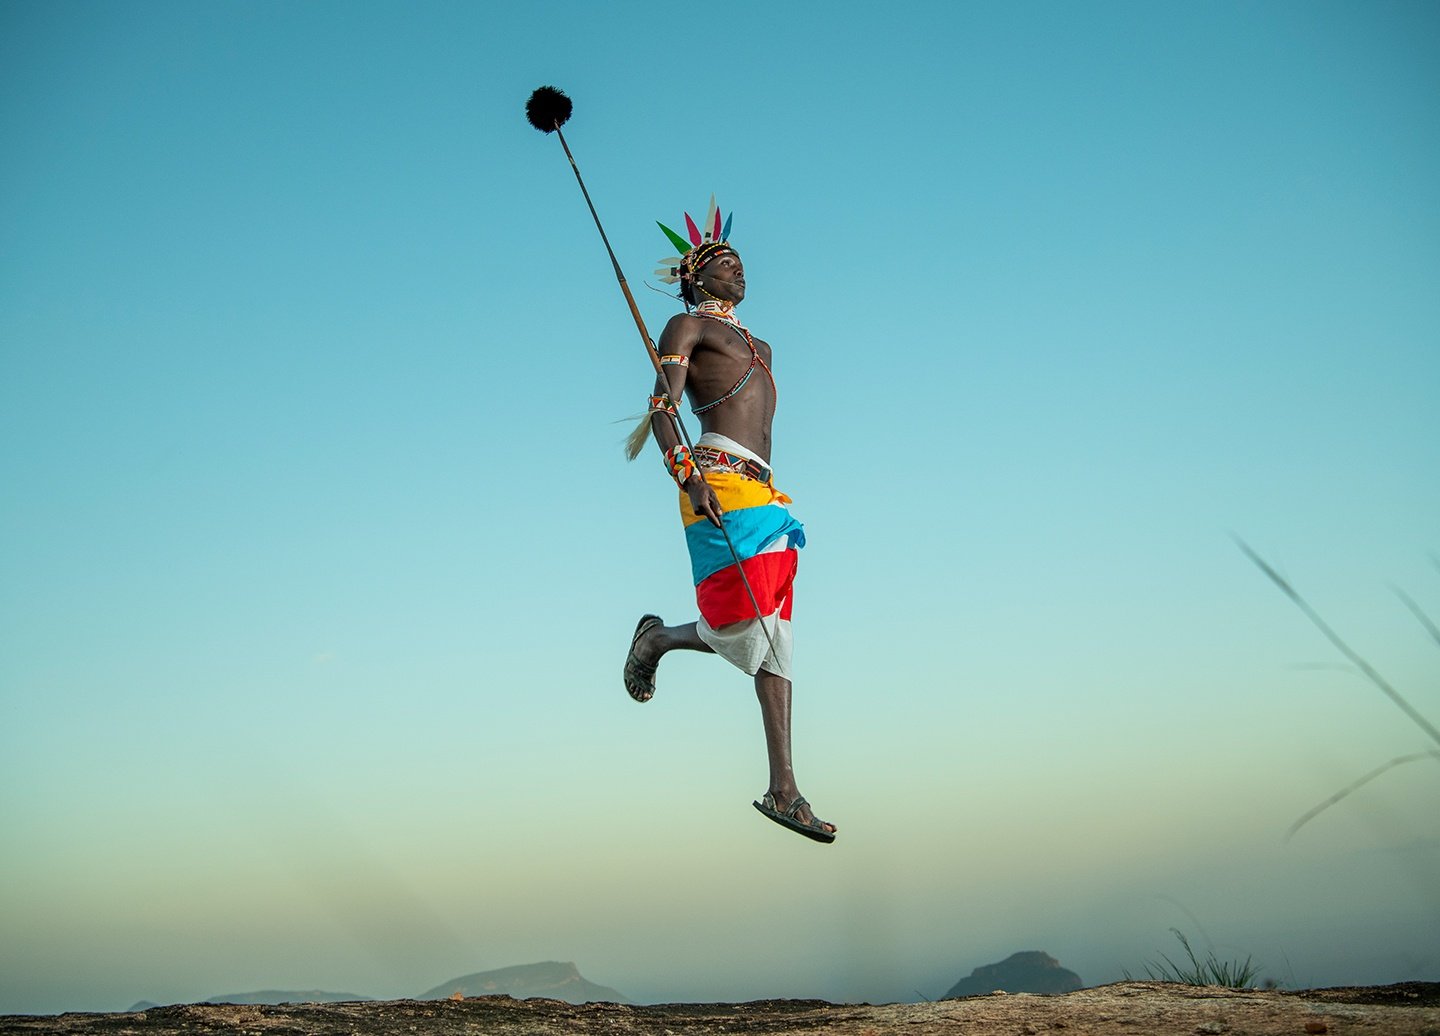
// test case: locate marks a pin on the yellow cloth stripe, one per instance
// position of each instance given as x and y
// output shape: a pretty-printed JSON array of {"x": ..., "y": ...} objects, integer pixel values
[{"x": 735, "y": 492}]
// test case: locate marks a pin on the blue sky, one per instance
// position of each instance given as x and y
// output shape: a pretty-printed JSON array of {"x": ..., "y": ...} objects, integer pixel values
[{"x": 318, "y": 554}]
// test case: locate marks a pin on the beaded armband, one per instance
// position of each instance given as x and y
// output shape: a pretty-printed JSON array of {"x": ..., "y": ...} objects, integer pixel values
[
  {"x": 679, "y": 463},
  {"x": 673, "y": 360},
  {"x": 663, "y": 405}
]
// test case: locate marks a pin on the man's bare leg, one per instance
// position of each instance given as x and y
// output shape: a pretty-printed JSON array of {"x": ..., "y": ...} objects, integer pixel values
[
  {"x": 660, "y": 641},
  {"x": 653, "y": 640},
  {"x": 774, "y": 694}
]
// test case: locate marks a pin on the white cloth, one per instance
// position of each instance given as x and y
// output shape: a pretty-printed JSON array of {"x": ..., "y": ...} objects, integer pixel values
[{"x": 716, "y": 441}]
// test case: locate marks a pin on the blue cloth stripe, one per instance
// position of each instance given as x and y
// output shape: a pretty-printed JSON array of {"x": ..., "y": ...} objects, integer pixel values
[{"x": 750, "y": 529}]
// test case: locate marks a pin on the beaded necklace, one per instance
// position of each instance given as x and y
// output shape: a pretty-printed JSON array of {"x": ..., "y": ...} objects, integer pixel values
[
  {"x": 726, "y": 315},
  {"x": 716, "y": 308}
]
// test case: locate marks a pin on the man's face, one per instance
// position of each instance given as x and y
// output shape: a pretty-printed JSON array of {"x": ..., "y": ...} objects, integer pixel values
[{"x": 723, "y": 277}]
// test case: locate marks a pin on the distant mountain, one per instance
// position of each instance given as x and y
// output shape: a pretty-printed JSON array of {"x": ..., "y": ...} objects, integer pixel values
[
  {"x": 1029, "y": 971},
  {"x": 552, "y": 979},
  {"x": 141, "y": 1005},
  {"x": 286, "y": 996}
]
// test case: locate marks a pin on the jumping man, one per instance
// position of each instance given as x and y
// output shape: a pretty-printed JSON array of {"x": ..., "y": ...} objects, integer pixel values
[{"x": 726, "y": 485}]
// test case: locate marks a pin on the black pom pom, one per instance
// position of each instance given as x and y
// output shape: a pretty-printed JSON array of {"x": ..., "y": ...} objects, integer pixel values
[{"x": 548, "y": 109}]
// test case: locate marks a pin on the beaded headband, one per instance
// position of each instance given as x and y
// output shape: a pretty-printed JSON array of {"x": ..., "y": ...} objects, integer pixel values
[{"x": 700, "y": 249}]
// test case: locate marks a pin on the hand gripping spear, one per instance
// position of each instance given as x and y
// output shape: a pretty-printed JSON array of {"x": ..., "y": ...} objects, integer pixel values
[{"x": 548, "y": 109}]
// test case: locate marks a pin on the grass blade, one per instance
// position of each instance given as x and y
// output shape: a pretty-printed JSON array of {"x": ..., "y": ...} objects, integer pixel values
[
  {"x": 1313, "y": 813},
  {"x": 1344, "y": 648}
]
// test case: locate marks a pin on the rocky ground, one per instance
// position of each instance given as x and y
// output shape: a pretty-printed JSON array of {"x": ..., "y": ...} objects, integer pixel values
[{"x": 1123, "y": 1009}]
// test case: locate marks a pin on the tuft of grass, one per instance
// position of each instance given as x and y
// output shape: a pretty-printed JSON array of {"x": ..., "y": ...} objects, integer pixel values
[{"x": 1208, "y": 972}]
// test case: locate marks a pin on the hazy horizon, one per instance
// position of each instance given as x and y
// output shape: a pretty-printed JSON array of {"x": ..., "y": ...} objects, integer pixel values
[{"x": 319, "y": 555}]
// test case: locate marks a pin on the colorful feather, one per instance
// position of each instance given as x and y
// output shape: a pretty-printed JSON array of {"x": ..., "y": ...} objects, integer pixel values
[
  {"x": 695, "y": 237},
  {"x": 725, "y": 234},
  {"x": 675, "y": 239},
  {"x": 712, "y": 221}
]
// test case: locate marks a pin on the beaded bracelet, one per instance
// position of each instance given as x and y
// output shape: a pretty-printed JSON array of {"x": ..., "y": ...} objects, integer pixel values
[
  {"x": 663, "y": 405},
  {"x": 680, "y": 464}
]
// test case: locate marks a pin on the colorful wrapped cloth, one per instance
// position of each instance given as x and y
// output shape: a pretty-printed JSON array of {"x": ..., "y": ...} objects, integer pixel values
[{"x": 767, "y": 538}]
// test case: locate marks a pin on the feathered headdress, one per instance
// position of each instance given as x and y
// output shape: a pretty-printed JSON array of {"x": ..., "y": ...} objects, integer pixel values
[{"x": 705, "y": 241}]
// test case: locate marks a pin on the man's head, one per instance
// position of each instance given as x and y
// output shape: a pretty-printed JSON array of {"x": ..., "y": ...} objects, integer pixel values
[
  {"x": 712, "y": 271},
  {"x": 707, "y": 267}
]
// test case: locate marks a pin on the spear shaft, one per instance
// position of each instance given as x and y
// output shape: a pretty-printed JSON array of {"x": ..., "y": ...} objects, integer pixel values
[{"x": 619, "y": 274}]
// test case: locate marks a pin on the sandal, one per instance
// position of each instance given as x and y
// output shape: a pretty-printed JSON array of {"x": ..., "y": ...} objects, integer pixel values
[
  {"x": 787, "y": 818},
  {"x": 640, "y": 676}
]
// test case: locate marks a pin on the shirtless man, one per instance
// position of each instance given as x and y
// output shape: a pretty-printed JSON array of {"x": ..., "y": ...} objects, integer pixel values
[{"x": 727, "y": 487}]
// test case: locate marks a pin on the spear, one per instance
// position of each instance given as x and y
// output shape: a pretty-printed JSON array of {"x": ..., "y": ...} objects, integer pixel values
[{"x": 548, "y": 109}]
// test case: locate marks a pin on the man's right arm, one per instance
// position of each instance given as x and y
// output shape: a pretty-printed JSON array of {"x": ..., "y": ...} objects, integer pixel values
[{"x": 677, "y": 343}]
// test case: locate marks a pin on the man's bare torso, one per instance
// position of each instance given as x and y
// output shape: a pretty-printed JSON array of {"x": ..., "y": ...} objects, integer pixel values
[{"x": 719, "y": 357}]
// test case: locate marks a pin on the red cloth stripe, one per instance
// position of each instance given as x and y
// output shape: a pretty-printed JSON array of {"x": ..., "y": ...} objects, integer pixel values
[{"x": 722, "y": 597}]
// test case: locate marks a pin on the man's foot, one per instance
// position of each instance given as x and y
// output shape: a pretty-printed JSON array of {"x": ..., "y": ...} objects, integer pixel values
[
  {"x": 640, "y": 675},
  {"x": 797, "y": 817}
]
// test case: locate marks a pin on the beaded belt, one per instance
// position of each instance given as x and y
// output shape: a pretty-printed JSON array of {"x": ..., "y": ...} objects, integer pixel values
[{"x": 711, "y": 459}]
